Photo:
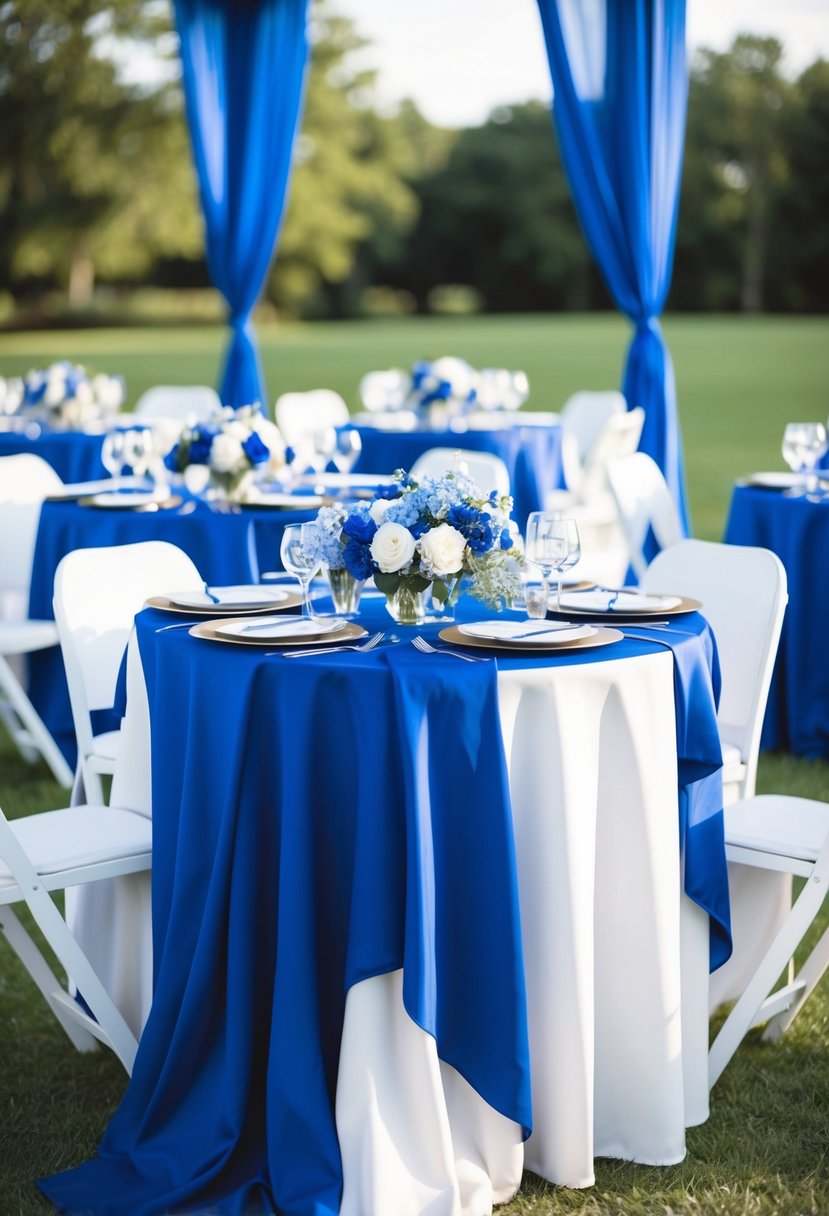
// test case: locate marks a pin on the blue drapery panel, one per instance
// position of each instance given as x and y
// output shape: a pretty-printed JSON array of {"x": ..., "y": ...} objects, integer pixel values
[
  {"x": 243, "y": 67},
  {"x": 621, "y": 85}
]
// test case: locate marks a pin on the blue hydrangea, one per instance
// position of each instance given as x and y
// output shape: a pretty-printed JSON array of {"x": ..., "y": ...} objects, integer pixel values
[
  {"x": 360, "y": 526},
  {"x": 322, "y": 546}
]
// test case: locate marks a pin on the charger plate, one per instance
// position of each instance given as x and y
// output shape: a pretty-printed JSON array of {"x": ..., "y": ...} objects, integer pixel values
[
  {"x": 209, "y": 630},
  {"x": 108, "y": 502},
  {"x": 602, "y": 637},
  {"x": 292, "y": 600},
  {"x": 283, "y": 502},
  {"x": 628, "y": 616}
]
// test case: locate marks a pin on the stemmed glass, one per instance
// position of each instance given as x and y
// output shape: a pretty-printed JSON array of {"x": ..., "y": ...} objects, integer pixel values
[
  {"x": 347, "y": 448},
  {"x": 296, "y": 559},
  {"x": 112, "y": 453},
  {"x": 320, "y": 451},
  {"x": 552, "y": 545},
  {"x": 803, "y": 445}
]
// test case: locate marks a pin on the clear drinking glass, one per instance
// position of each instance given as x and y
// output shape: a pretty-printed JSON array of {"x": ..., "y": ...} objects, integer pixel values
[
  {"x": 552, "y": 545},
  {"x": 112, "y": 453},
  {"x": 296, "y": 560},
  {"x": 347, "y": 448},
  {"x": 138, "y": 450},
  {"x": 803, "y": 445}
]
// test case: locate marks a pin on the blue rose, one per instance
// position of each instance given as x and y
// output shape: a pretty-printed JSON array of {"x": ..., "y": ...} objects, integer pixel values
[
  {"x": 200, "y": 445},
  {"x": 358, "y": 560},
  {"x": 172, "y": 458},
  {"x": 255, "y": 449},
  {"x": 479, "y": 535},
  {"x": 360, "y": 528},
  {"x": 506, "y": 539}
]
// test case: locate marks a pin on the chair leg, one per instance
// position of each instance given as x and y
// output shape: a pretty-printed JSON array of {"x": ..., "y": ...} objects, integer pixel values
[
  {"x": 34, "y": 725},
  {"x": 40, "y": 971},
  {"x": 741, "y": 1017},
  {"x": 809, "y": 975}
]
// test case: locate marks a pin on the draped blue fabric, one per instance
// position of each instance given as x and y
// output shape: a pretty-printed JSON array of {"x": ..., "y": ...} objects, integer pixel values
[
  {"x": 243, "y": 67},
  {"x": 73, "y": 456},
  {"x": 620, "y": 126}
]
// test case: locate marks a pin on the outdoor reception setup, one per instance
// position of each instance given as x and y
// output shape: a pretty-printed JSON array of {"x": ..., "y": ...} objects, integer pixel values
[{"x": 409, "y": 831}]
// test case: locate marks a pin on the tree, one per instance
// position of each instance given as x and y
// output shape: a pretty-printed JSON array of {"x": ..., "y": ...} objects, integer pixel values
[{"x": 95, "y": 175}]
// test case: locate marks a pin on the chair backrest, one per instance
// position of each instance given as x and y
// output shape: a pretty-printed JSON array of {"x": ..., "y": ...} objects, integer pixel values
[
  {"x": 298, "y": 414},
  {"x": 98, "y": 593},
  {"x": 645, "y": 504},
  {"x": 585, "y": 413},
  {"x": 487, "y": 470},
  {"x": 181, "y": 401},
  {"x": 743, "y": 594},
  {"x": 25, "y": 481}
]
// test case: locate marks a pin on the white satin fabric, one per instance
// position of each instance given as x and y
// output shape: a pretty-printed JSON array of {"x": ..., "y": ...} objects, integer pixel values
[{"x": 618, "y": 1029}]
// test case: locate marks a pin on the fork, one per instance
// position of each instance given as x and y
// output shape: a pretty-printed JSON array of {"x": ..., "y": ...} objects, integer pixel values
[
  {"x": 363, "y": 648},
  {"x": 425, "y": 647}
]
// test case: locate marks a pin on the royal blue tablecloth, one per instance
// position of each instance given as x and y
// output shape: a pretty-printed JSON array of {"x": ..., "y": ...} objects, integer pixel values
[
  {"x": 226, "y": 548},
  {"x": 316, "y": 822},
  {"x": 73, "y": 455},
  {"x": 532, "y": 455},
  {"x": 797, "y": 717}
]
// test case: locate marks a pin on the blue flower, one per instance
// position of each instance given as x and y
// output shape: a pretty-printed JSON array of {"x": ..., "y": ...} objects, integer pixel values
[
  {"x": 393, "y": 490},
  {"x": 255, "y": 449},
  {"x": 290, "y": 454},
  {"x": 358, "y": 559},
  {"x": 479, "y": 535},
  {"x": 171, "y": 460},
  {"x": 200, "y": 445},
  {"x": 462, "y": 516},
  {"x": 506, "y": 539},
  {"x": 360, "y": 528}
]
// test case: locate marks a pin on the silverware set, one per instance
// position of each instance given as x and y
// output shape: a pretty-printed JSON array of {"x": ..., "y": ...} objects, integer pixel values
[
  {"x": 425, "y": 647},
  {"x": 361, "y": 648}
]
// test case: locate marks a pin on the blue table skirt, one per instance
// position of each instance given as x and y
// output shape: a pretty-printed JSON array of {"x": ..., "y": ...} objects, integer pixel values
[
  {"x": 226, "y": 548},
  {"x": 797, "y": 717},
  {"x": 317, "y": 822},
  {"x": 74, "y": 456},
  {"x": 532, "y": 455}
]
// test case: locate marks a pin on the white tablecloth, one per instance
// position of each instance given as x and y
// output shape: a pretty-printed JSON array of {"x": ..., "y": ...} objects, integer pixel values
[{"x": 618, "y": 1029}]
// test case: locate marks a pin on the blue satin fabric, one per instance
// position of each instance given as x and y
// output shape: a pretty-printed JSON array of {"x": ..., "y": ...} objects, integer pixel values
[
  {"x": 532, "y": 456},
  {"x": 623, "y": 156},
  {"x": 243, "y": 67},
  {"x": 341, "y": 817},
  {"x": 73, "y": 455},
  {"x": 226, "y": 548},
  {"x": 797, "y": 716}
]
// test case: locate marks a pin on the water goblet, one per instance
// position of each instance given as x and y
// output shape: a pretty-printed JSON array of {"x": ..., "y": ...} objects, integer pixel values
[
  {"x": 297, "y": 560},
  {"x": 112, "y": 453},
  {"x": 803, "y": 445},
  {"x": 320, "y": 450},
  {"x": 347, "y": 448},
  {"x": 552, "y": 545},
  {"x": 138, "y": 450}
]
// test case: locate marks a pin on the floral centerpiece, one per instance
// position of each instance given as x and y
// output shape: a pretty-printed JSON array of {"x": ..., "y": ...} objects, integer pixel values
[
  {"x": 228, "y": 447},
  {"x": 416, "y": 536},
  {"x": 65, "y": 395},
  {"x": 442, "y": 390}
]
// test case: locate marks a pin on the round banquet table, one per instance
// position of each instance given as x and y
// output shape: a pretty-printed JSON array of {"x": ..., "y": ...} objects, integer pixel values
[
  {"x": 227, "y": 548},
  {"x": 797, "y": 530},
  {"x": 416, "y": 923},
  {"x": 73, "y": 455},
  {"x": 532, "y": 455}
]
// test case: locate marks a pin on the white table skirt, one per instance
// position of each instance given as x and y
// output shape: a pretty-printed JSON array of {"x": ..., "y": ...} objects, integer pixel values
[{"x": 618, "y": 1030}]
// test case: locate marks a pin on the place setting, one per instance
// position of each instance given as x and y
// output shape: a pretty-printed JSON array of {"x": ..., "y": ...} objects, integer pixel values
[{"x": 229, "y": 601}]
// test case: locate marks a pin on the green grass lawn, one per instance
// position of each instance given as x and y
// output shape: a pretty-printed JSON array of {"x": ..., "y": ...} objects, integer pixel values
[{"x": 765, "y": 1149}]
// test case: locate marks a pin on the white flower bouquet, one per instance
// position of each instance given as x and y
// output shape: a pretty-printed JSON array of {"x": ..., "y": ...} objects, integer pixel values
[
  {"x": 229, "y": 447},
  {"x": 65, "y": 395},
  {"x": 436, "y": 535}
]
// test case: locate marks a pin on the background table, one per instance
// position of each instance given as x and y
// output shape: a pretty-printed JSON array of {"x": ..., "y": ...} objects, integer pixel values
[
  {"x": 532, "y": 455},
  {"x": 797, "y": 717},
  {"x": 227, "y": 548},
  {"x": 74, "y": 456},
  {"x": 342, "y": 820}
]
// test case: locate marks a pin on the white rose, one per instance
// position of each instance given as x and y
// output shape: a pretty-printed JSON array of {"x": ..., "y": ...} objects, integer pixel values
[
  {"x": 378, "y": 510},
  {"x": 83, "y": 393},
  {"x": 238, "y": 430},
  {"x": 442, "y": 550},
  {"x": 109, "y": 391},
  {"x": 226, "y": 454},
  {"x": 392, "y": 548},
  {"x": 55, "y": 390}
]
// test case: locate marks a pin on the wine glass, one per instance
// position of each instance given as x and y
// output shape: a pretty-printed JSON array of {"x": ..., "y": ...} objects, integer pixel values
[
  {"x": 518, "y": 390},
  {"x": 347, "y": 448},
  {"x": 297, "y": 560},
  {"x": 803, "y": 445},
  {"x": 320, "y": 450},
  {"x": 138, "y": 450},
  {"x": 112, "y": 453},
  {"x": 552, "y": 545}
]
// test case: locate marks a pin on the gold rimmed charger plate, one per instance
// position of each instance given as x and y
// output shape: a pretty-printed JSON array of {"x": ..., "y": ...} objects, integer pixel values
[
  {"x": 602, "y": 637},
  {"x": 210, "y": 631},
  {"x": 292, "y": 600},
  {"x": 164, "y": 504},
  {"x": 642, "y": 615}
]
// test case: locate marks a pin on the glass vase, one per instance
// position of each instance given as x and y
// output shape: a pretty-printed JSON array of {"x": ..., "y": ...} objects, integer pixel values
[
  {"x": 345, "y": 591},
  {"x": 444, "y": 610},
  {"x": 409, "y": 607}
]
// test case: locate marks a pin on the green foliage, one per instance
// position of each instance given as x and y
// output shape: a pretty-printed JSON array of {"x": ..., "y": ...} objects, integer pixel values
[{"x": 94, "y": 174}]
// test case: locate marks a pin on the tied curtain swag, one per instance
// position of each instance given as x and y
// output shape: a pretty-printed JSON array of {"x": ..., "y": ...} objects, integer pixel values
[
  {"x": 243, "y": 68},
  {"x": 621, "y": 86}
]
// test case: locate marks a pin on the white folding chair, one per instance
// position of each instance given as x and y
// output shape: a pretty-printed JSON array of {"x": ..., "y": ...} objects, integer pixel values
[
  {"x": 299, "y": 414},
  {"x": 790, "y": 835},
  {"x": 178, "y": 402},
  {"x": 487, "y": 470},
  {"x": 644, "y": 503},
  {"x": 25, "y": 481},
  {"x": 382, "y": 391},
  {"x": 97, "y": 595},
  {"x": 49, "y": 852},
  {"x": 582, "y": 417}
]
